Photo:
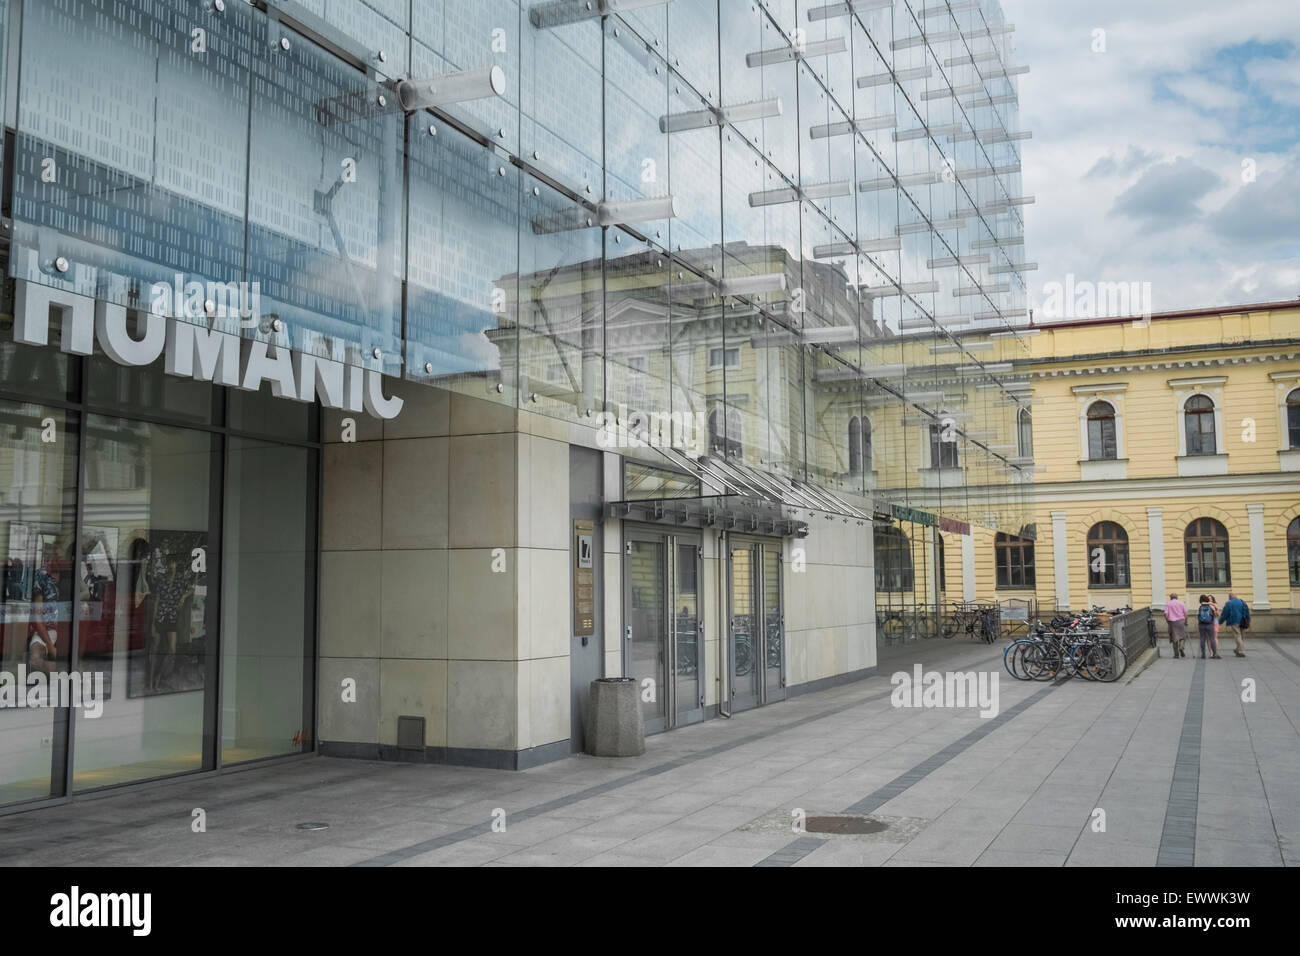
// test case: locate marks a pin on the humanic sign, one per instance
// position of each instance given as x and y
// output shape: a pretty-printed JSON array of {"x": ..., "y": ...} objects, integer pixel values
[{"x": 192, "y": 351}]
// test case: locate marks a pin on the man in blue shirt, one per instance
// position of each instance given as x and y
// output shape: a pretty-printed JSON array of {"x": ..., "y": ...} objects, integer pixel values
[{"x": 1235, "y": 616}]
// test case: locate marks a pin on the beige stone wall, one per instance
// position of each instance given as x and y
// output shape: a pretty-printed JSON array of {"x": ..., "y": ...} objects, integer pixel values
[{"x": 413, "y": 514}]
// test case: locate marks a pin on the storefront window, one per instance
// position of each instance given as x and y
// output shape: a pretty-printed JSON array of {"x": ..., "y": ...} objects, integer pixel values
[
  {"x": 149, "y": 511},
  {"x": 268, "y": 596},
  {"x": 37, "y": 530}
]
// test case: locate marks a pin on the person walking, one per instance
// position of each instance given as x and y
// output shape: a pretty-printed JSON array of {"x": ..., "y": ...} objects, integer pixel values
[
  {"x": 1214, "y": 637},
  {"x": 1176, "y": 616},
  {"x": 1205, "y": 623},
  {"x": 1236, "y": 618}
]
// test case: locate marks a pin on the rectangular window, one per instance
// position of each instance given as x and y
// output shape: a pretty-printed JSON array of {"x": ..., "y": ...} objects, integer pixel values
[
  {"x": 724, "y": 358},
  {"x": 1014, "y": 562},
  {"x": 943, "y": 454}
]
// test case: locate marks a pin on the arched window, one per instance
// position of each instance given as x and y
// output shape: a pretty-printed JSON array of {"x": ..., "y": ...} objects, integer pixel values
[
  {"x": 1206, "y": 544},
  {"x": 893, "y": 553},
  {"x": 867, "y": 462},
  {"x": 1293, "y": 419},
  {"x": 1025, "y": 433},
  {"x": 855, "y": 446},
  {"x": 1101, "y": 432},
  {"x": 1107, "y": 556},
  {"x": 1293, "y": 551},
  {"x": 1198, "y": 418},
  {"x": 939, "y": 562},
  {"x": 1014, "y": 560}
]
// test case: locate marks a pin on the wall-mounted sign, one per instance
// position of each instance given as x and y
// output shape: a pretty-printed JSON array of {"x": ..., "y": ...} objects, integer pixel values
[
  {"x": 194, "y": 351},
  {"x": 584, "y": 579}
]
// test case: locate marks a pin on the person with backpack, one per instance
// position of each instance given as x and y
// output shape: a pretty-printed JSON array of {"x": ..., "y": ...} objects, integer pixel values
[
  {"x": 1214, "y": 638},
  {"x": 1236, "y": 618},
  {"x": 1205, "y": 624}
]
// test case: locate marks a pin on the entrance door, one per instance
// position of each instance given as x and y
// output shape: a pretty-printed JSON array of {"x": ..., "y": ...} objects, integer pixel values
[
  {"x": 756, "y": 643},
  {"x": 663, "y": 628},
  {"x": 688, "y": 634},
  {"x": 646, "y": 622}
]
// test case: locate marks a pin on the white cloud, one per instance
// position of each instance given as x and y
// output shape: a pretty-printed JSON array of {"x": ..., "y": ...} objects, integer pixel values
[{"x": 1101, "y": 120}]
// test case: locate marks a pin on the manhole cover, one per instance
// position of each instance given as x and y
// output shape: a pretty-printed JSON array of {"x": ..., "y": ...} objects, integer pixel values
[
  {"x": 313, "y": 826},
  {"x": 844, "y": 825}
]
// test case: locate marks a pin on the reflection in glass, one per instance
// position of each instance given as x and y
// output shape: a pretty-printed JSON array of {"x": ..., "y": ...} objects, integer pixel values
[
  {"x": 38, "y": 534},
  {"x": 148, "y": 503}
]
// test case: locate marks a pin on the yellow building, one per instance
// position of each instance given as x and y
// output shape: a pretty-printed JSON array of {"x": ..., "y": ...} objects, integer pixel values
[{"x": 1166, "y": 459}]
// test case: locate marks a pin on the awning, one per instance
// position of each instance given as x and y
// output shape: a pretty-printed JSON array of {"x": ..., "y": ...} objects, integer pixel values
[{"x": 722, "y": 492}]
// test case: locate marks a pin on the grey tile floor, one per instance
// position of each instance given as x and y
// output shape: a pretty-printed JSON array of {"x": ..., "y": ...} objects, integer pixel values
[{"x": 1029, "y": 790}]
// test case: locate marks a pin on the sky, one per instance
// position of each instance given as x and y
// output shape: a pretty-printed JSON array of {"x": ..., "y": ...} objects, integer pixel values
[{"x": 1170, "y": 154}]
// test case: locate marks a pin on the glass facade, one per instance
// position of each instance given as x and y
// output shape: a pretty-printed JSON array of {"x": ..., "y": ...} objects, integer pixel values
[{"x": 797, "y": 224}]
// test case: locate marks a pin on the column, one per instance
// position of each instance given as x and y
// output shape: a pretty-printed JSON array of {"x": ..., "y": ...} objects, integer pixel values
[
  {"x": 968, "y": 568},
  {"x": 1258, "y": 557},
  {"x": 1060, "y": 559},
  {"x": 1156, "y": 535}
]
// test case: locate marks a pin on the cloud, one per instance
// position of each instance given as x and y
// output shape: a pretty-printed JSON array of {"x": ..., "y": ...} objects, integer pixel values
[
  {"x": 1263, "y": 211},
  {"x": 1167, "y": 194},
  {"x": 1108, "y": 129},
  {"x": 1135, "y": 159}
]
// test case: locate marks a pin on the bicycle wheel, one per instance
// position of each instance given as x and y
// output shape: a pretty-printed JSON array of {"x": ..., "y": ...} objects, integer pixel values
[
  {"x": 1013, "y": 658},
  {"x": 1107, "y": 661}
]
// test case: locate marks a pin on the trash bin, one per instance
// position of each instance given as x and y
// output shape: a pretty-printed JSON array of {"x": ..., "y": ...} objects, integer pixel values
[{"x": 615, "y": 727}]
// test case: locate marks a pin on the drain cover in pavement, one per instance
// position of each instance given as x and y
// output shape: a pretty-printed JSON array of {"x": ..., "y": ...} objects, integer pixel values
[{"x": 844, "y": 825}]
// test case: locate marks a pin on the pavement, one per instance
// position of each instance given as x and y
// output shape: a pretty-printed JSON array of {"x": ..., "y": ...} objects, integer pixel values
[{"x": 1189, "y": 762}]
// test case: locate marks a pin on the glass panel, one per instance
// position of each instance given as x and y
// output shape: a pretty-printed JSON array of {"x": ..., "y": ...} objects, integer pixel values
[
  {"x": 264, "y": 414},
  {"x": 686, "y": 598},
  {"x": 325, "y": 205},
  {"x": 561, "y": 321},
  {"x": 461, "y": 294},
  {"x": 37, "y": 531},
  {"x": 647, "y": 578},
  {"x": 147, "y": 391},
  {"x": 773, "y": 628},
  {"x": 148, "y": 502},
  {"x": 113, "y": 98},
  {"x": 562, "y": 114},
  {"x": 744, "y": 624},
  {"x": 268, "y": 588},
  {"x": 36, "y": 371}
]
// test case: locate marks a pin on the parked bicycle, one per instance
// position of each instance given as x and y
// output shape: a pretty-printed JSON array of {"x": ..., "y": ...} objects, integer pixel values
[
  {"x": 1068, "y": 648},
  {"x": 979, "y": 621}
]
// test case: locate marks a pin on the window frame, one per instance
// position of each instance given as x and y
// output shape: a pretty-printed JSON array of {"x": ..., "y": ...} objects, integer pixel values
[
  {"x": 1113, "y": 418},
  {"x": 725, "y": 364},
  {"x": 1203, "y": 412},
  {"x": 892, "y": 556},
  {"x": 1293, "y": 552},
  {"x": 937, "y": 450},
  {"x": 1115, "y": 549},
  {"x": 1005, "y": 548},
  {"x": 1200, "y": 540}
]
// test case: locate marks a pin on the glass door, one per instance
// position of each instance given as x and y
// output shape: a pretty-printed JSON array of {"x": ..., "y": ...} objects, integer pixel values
[
  {"x": 646, "y": 622},
  {"x": 744, "y": 637},
  {"x": 773, "y": 626},
  {"x": 757, "y": 640},
  {"x": 688, "y": 634}
]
